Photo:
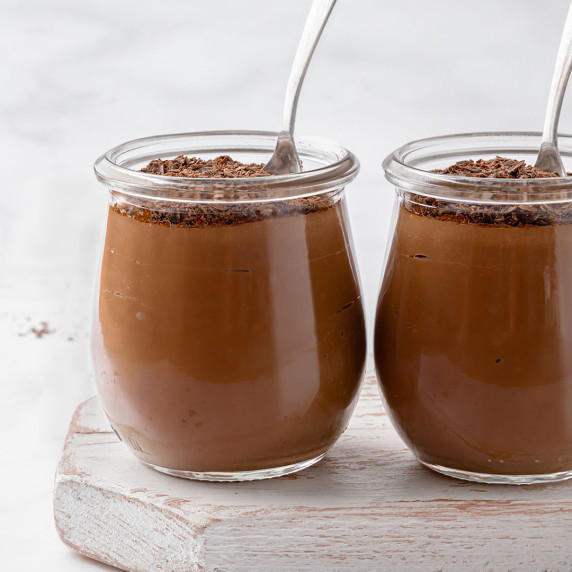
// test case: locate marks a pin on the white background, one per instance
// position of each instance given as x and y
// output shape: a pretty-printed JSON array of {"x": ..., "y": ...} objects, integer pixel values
[{"x": 79, "y": 77}]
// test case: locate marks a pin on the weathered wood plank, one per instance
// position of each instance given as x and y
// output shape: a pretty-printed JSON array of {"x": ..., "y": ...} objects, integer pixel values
[{"x": 368, "y": 505}]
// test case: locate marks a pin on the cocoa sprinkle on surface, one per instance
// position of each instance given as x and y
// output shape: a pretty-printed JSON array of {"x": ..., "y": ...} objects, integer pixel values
[
  {"x": 222, "y": 167},
  {"x": 42, "y": 330},
  {"x": 197, "y": 215},
  {"x": 202, "y": 214},
  {"x": 497, "y": 168},
  {"x": 500, "y": 214}
]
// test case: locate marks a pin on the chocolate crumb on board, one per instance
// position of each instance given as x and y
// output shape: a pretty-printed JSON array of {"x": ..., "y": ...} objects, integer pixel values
[
  {"x": 491, "y": 214},
  {"x": 42, "y": 330},
  {"x": 203, "y": 214}
]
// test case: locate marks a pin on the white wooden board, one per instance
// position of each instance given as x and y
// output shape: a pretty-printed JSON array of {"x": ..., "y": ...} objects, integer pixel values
[{"x": 367, "y": 506}]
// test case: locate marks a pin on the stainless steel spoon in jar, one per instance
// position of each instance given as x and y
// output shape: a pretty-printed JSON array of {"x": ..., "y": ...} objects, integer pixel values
[
  {"x": 549, "y": 157},
  {"x": 285, "y": 158}
]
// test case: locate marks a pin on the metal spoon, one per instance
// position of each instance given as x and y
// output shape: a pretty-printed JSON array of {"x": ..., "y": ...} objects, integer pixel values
[
  {"x": 548, "y": 157},
  {"x": 285, "y": 158}
]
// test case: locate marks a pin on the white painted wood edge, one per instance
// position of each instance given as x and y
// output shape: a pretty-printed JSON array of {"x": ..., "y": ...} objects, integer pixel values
[{"x": 367, "y": 506}]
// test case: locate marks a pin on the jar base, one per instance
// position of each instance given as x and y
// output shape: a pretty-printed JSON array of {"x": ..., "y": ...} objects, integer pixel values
[
  {"x": 500, "y": 479},
  {"x": 237, "y": 476}
]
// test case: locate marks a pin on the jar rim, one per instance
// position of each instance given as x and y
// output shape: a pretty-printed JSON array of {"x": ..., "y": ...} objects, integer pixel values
[
  {"x": 337, "y": 167},
  {"x": 404, "y": 169}
]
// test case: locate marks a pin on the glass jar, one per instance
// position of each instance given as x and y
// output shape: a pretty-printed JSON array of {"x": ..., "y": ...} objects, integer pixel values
[
  {"x": 229, "y": 337},
  {"x": 473, "y": 333}
]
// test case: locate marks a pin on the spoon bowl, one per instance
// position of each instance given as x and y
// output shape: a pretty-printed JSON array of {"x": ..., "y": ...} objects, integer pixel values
[{"x": 285, "y": 157}]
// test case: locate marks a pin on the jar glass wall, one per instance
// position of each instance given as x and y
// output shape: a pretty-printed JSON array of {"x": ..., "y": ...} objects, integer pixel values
[
  {"x": 229, "y": 336},
  {"x": 473, "y": 334}
]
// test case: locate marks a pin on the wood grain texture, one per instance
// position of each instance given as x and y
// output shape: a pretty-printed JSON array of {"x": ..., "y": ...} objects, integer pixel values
[{"x": 367, "y": 506}]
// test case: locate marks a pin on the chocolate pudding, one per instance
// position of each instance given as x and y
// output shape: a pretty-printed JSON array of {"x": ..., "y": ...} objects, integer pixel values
[
  {"x": 473, "y": 338},
  {"x": 230, "y": 336}
]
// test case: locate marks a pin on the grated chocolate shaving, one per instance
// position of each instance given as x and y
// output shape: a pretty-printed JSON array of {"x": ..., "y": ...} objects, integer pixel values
[
  {"x": 222, "y": 167},
  {"x": 491, "y": 214},
  {"x": 206, "y": 214},
  {"x": 504, "y": 215},
  {"x": 497, "y": 168},
  {"x": 201, "y": 215}
]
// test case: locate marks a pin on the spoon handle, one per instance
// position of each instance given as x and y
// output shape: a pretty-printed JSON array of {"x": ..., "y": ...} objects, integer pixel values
[
  {"x": 559, "y": 82},
  {"x": 315, "y": 22}
]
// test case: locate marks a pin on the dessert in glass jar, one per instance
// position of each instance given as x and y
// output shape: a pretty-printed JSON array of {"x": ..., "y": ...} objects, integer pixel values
[
  {"x": 473, "y": 334},
  {"x": 228, "y": 339}
]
